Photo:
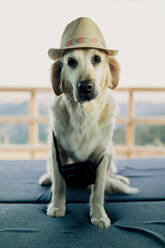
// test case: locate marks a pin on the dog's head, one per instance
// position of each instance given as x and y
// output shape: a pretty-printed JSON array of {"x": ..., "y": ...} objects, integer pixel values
[{"x": 84, "y": 74}]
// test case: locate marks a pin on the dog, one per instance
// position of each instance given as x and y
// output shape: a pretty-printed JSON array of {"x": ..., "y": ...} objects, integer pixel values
[{"x": 83, "y": 120}]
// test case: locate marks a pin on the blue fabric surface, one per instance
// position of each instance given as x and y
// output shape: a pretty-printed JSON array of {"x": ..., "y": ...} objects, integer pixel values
[
  {"x": 137, "y": 220},
  {"x": 134, "y": 225},
  {"x": 19, "y": 182}
]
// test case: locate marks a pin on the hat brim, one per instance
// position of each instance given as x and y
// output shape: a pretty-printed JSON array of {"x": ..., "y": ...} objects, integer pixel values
[{"x": 55, "y": 53}]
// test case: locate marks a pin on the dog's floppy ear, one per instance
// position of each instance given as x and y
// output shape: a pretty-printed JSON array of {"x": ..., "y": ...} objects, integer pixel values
[
  {"x": 56, "y": 77},
  {"x": 115, "y": 72}
]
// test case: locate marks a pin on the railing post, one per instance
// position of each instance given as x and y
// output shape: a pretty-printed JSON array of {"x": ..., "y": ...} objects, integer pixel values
[
  {"x": 33, "y": 128},
  {"x": 130, "y": 125}
]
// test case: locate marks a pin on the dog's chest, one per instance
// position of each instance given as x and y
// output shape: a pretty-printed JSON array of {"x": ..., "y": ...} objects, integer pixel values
[
  {"x": 80, "y": 131},
  {"x": 79, "y": 140}
]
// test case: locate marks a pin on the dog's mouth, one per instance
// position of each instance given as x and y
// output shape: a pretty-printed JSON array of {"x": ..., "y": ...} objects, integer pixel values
[{"x": 81, "y": 98}]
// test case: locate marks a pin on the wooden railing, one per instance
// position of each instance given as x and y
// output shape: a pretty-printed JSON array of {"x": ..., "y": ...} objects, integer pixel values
[
  {"x": 130, "y": 150},
  {"x": 35, "y": 150}
]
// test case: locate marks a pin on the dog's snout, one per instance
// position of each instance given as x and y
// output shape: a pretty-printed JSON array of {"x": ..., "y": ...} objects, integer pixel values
[
  {"x": 86, "y": 86},
  {"x": 86, "y": 91}
]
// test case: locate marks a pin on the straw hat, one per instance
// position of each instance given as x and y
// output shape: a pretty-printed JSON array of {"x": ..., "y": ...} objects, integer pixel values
[{"x": 81, "y": 33}]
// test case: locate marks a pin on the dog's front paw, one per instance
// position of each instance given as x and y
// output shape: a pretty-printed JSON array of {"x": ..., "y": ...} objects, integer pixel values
[
  {"x": 102, "y": 223},
  {"x": 55, "y": 211},
  {"x": 99, "y": 218}
]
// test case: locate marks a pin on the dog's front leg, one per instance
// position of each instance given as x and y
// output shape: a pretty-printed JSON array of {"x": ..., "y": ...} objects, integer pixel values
[
  {"x": 97, "y": 211},
  {"x": 56, "y": 207}
]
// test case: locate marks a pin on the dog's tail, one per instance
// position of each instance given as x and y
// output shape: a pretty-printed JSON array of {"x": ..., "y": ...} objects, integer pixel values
[{"x": 119, "y": 184}]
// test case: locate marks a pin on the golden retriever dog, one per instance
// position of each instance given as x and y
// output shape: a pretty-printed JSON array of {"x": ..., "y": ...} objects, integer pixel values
[{"x": 83, "y": 120}]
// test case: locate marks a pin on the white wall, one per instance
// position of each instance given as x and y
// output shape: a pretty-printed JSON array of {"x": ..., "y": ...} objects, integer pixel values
[{"x": 29, "y": 27}]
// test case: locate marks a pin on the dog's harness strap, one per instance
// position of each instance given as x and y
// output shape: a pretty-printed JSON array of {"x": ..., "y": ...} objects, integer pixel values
[
  {"x": 57, "y": 152},
  {"x": 76, "y": 175}
]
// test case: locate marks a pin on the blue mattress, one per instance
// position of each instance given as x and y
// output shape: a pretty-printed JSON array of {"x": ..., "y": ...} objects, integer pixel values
[{"x": 137, "y": 220}]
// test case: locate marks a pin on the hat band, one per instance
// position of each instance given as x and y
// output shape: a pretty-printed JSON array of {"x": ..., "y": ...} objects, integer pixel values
[{"x": 82, "y": 40}]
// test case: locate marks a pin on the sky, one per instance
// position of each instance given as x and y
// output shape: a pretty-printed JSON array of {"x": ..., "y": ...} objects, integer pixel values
[{"x": 30, "y": 27}]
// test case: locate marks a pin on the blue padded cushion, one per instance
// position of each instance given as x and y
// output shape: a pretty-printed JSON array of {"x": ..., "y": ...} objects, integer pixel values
[
  {"x": 134, "y": 225},
  {"x": 19, "y": 182},
  {"x": 137, "y": 220}
]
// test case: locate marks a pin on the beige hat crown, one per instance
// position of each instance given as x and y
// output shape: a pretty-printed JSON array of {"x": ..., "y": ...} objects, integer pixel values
[{"x": 81, "y": 33}]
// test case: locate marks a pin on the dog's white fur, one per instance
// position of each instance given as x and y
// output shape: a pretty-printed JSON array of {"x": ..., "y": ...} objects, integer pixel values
[{"x": 84, "y": 129}]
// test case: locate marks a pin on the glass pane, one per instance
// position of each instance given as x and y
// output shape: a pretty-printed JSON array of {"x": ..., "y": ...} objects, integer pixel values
[
  {"x": 43, "y": 132},
  {"x": 149, "y": 135},
  {"x": 119, "y": 137},
  {"x": 149, "y": 104},
  {"x": 14, "y": 133},
  {"x": 45, "y": 100},
  {"x": 12, "y": 103},
  {"x": 121, "y": 99}
]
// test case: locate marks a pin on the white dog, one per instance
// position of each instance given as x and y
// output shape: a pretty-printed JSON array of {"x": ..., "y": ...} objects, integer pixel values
[{"x": 83, "y": 119}]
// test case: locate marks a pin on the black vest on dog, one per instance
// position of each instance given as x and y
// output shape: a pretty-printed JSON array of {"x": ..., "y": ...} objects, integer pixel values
[{"x": 77, "y": 175}]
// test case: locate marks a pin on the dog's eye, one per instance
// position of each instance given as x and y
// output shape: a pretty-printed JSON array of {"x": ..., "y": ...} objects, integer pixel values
[
  {"x": 72, "y": 62},
  {"x": 96, "y": 59}
]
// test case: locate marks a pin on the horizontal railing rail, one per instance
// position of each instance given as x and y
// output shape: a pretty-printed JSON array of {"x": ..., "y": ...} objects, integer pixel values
[{"x": 33, "y": 119}]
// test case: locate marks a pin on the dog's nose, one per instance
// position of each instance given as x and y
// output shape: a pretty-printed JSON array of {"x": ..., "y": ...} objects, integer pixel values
[{"x": 86, "y": 86}]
